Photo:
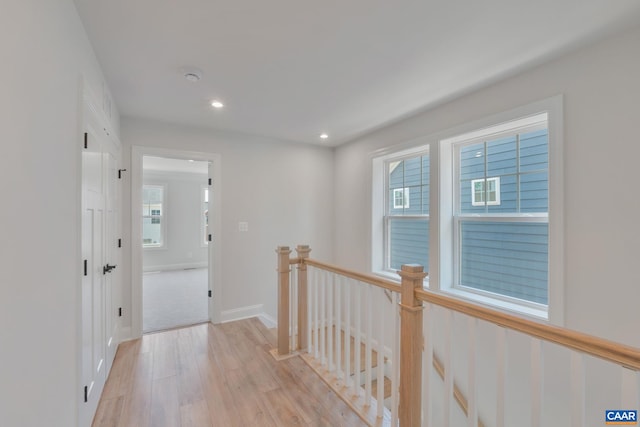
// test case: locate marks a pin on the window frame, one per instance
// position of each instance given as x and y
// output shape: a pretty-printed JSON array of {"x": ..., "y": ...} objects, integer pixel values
[
  {"x": 447, "y": 268},
  {"x": 405, "y": 198},
  {"x": 485, "y": 192},
  {"x": 162, "y": 217}
]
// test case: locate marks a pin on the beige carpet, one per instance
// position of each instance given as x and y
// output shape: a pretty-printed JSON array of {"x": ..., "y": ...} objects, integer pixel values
[{"x": 174, "y": 298}]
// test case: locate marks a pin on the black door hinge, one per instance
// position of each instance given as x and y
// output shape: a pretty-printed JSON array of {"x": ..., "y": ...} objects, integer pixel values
[
  {"x": 120, "y": 173},
  {"x": 119, "y": 243},
  {"x": 85, "y": 267},
  {"x": 209, "y": 293},
  {"x": 209, "y": 181},
  {"x": 119, "y": 311},
  {"x": 86, "y": 140},
  {"x": 209, "y": 237},
  {"x": 86, "y": 394}
]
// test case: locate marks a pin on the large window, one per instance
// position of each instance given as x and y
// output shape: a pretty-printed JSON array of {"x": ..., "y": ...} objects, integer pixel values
[
  {"x": 406, "y": 219},
  {"x": 153, "y": 222},
  {"x": 500, "y": 219},
  {"x": 491, "y": 229}
]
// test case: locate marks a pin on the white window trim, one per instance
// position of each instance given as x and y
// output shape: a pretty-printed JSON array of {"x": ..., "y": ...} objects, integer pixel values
[
  {"x": 484, "y": 181},
  {"x": 444, "y": 194},
  {"x": 405, "y": 198},
  {"x": 163, "y": 219}
]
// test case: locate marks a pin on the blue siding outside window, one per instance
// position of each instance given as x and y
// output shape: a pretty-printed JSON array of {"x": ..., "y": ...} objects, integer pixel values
[
  {"x": 408, "y": 236},
  {"x": 511, "y": 257},
  {"x": 506, "y": 258}
]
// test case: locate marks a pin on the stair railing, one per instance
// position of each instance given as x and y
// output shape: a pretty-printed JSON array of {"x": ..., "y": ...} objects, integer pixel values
[{"x": 340, "y": 323}]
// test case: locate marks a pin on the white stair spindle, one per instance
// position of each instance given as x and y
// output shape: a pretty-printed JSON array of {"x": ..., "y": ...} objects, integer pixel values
[
  {"x": 501, "y": 375},
  {"x": 347, "y": 334},
  {"x": 630, "y": 389},
  {"x": 367, "y": 362},
  {"x": 427, "y": 365},
  {"x": 358, "y": 338},
  {"x": 338, "y": 332},
  {"x": 310, "y": 303},
  {"x": 472, "y": 398},
  {"x": 330, "y": 318},
  {"x": 395, "y": 358},
  {"x": 323, "y": 320},
  {"x": 577, "y": 390},
  {"x": 447, "y": 407},
  {"x": 381, "y": 298},
  {"x": 537, "y": 382},
  {"x": 316, "y": 317}
]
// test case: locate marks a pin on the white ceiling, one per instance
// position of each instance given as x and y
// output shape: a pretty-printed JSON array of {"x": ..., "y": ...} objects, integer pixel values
[{"x": 291, "y": 69}]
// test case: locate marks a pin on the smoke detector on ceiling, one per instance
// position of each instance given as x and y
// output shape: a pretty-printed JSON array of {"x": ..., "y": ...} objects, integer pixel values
[{"x": 192, "y": 74}]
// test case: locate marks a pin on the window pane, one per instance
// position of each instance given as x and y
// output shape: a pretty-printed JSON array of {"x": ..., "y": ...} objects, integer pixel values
[
  {"x": 506, "y": 258},
  {"x": 534, "y": 192},
  {"x": 425, "y": 185},
  {"x": 534, "y": 151},
  {"x": 409, "y": 242},
  {"x": 472, "y": 162},
  {"x": 152, "y": 231},
  {"x": 502, "y": 156}
]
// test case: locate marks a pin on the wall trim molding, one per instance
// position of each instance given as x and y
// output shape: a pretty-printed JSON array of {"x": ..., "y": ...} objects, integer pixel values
[{"x": 241, "y": 313}]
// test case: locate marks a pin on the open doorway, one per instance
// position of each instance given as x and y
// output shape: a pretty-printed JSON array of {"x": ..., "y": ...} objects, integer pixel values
[
  {"x": 175, "y": 255},
  {"x": 212, "y": 223}
]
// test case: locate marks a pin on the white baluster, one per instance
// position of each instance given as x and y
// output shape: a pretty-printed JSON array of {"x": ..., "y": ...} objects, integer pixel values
[
  {"x": 447, "y": 357},
  {"x": 347, "y": 334},
  {"x": 338, "y": 335},
  {"x": 472, "y": 399},
  {"x": 358, "y": 338},
  {"x": 427, "y": 365},
  {"x": 380, "y": 374},
  {"x": 330, "y": 318},
  {"x": 395, "y": 357},
  {"x": 501, "y": 375},
  {"x": 293, "y": 302},
  {"x": 323, "y": 321},
  {"x": 310, "y": 307},
  {"x": 316, "y": 310},
  {"x": 630, "y": 389},
  {"x": 537, "y": 382},
  {"x": 577, "y": 390},
  {"x": 369, "y": 321}
]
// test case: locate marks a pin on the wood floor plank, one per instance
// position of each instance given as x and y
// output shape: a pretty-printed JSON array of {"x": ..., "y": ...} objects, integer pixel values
[
  {"x": 195, "y": 415},
  {"x": 215, "y": 375}
]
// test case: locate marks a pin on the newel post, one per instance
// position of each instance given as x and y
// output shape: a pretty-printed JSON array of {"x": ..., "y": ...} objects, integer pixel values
[
  {"x": 411, "y": 343},
  {"x": 283, "y": 299},
  {"x": 303, "y": 253}
]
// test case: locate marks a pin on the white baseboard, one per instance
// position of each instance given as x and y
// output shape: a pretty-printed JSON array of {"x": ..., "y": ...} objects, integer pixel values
[
  {"x": 267, "y": 320},
  {"x": 171, "y": 267},
  {"x": 125, "y": 334},
  {"x": 241, "y": 313}
]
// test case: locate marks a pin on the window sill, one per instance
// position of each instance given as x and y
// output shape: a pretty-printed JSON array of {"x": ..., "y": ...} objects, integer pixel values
[{"x": 533, "y": 313}]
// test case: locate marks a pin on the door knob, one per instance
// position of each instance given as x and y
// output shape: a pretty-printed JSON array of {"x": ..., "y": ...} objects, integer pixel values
[{"x": 107, "y": 268}]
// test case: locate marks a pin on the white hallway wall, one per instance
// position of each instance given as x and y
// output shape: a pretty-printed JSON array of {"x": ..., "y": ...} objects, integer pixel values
[
  {"x": 44, "y": 52},
  {"x": 183, "y": 206},
  {"x": 283, "y": 190}
]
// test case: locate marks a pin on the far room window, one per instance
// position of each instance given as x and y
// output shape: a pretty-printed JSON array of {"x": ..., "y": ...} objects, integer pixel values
[
  {"x": 153, "y": 221},
  {"x": 400, "y": 198},
  {"x": 485, "y": 191},
  {"x": 204, "y": 216}
]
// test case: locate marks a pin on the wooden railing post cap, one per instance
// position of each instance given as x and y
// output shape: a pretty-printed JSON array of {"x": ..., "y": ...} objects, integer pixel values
[
  {"x": 303, "y": 251},
  {"x": 283, "y": 249},
  {"x": 412, "y": 271}
]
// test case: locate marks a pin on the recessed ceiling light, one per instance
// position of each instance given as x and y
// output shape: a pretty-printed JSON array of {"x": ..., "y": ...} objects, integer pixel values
[
  {"x": 191, "y": 161},
  {"x": 216, "y": 104},
  {"x": 324, "y": 136}
]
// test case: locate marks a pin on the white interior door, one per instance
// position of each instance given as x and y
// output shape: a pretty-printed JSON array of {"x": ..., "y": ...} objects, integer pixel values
[
  {"x": 100, "y": 286},
  {"x": 93, "y": 371},
  {"x": 211, "y": 242}
]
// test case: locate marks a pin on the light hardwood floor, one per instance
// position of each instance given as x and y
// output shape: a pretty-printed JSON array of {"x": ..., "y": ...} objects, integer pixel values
[{"x": 215, "y": 375}]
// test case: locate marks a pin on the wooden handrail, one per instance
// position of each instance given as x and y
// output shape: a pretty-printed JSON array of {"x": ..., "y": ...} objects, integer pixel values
[
  {"x": 366, "y": 278},
  {"x": 620, "y": 354}
]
